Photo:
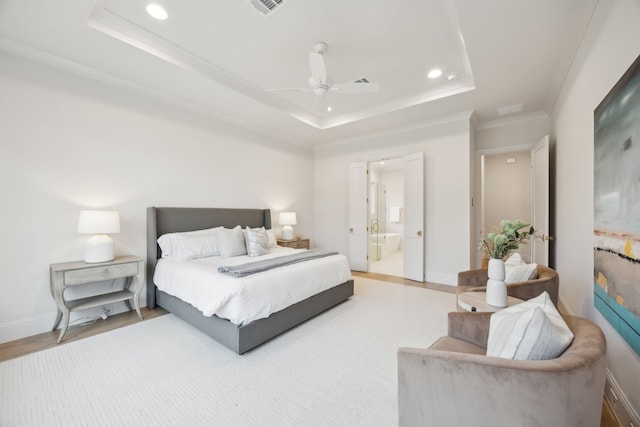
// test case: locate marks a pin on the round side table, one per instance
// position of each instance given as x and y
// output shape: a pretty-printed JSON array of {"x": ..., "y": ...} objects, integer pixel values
[{"x": 477, "y": 301}]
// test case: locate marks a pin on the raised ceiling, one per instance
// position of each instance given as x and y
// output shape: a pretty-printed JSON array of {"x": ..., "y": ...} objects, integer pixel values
[{"x": 223, "y": 58}]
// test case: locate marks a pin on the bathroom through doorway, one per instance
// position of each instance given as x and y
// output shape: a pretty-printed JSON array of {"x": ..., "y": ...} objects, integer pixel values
[{"x": 386, "y": 230}]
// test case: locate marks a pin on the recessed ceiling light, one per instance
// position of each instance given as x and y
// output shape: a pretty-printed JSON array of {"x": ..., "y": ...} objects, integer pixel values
[
  {"x": 157, "y": 11},
  {"x": 453, "y": 76},
  {"x": 435, "y": 73},
  {"x": 329, "y": 108}
]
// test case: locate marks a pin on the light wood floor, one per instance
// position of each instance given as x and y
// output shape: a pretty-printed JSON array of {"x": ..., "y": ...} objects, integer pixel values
[{"x": 24, "y": 346}]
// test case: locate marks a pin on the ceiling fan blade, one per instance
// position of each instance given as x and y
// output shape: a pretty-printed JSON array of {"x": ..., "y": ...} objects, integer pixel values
[
  {"x": 317, "y": 66},
  {"x": 355, "y": 87}
]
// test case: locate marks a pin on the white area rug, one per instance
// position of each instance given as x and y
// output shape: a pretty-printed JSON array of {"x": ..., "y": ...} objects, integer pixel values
[{"x": 338, "y": 369}]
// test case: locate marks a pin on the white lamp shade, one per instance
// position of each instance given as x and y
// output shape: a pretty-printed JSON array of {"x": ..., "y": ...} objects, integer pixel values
[
  {"x": 99, "y": 247},
  {"x": 99, "y": 222},
  {"x": 287, "y": 218}
]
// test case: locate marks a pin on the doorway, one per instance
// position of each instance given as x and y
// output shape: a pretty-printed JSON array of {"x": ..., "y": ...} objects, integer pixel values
[
  {"x": 506, "y": 188},
  {"x": 409, "y": 212},
  {"x": 386, "y": 229},
  {"x": 514, "y": 184}
]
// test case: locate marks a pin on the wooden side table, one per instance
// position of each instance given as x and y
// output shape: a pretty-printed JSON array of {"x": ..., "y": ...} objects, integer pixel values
[
  {"x": 76, "y": 273},
  {"x": 295, "y": 243},
  {"x": 477, "y": 301}
]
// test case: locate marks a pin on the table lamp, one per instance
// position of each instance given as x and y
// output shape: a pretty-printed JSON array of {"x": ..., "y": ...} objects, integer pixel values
[
  {"x": 99, "y": 247},
  {"x": 287, "y": 219}
]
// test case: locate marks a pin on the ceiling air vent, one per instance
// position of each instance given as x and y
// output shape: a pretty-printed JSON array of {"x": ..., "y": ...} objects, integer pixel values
[
  {"x": 267, "y": 7},
  {"x": 362, "y": 80}
]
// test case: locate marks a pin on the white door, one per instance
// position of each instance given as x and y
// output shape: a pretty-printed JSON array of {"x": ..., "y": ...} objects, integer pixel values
[
  {"x": 358, "y": 215},
  {"x": 540, "y": 200},
  {"x": 414, "y": 217}
]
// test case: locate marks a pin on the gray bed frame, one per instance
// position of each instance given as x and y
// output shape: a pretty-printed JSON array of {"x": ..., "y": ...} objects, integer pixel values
[{"x": 238, "y": 338}]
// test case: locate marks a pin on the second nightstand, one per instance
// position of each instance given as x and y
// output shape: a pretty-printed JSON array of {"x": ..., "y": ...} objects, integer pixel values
[{"x": 295, "y": 243}]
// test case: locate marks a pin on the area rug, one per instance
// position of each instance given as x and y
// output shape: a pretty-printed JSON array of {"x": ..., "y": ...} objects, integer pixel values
[{"x": 337, "y": 369}]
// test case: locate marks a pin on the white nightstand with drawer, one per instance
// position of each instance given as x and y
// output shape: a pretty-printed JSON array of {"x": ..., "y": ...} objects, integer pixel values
[{"x": 76, "y": 273}]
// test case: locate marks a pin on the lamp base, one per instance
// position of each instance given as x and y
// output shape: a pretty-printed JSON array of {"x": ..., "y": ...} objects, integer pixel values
[
  {"x": 287, "y": 232},
  {"x": 99, "y": 248}
]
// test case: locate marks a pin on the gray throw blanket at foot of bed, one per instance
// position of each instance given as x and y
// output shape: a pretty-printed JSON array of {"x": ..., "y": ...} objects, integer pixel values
[{"x": 267, "y": 264}]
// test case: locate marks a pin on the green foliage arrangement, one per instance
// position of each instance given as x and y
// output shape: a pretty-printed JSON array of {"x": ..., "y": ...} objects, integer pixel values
[{"x": 500, "y": 245}]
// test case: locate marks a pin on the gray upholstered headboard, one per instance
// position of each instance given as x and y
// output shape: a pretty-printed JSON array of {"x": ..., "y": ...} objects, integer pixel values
[{"x": 171, "y": 220}]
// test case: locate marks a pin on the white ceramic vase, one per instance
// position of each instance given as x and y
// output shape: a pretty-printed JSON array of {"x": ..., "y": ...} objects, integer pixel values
[{"x": 496, "y": 286}]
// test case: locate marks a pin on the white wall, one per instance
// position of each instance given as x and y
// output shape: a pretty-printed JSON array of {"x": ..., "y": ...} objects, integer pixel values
[
  {"x": 517, "y": 131},
  {"x": 69, "y": 144},
  {"x": 611, "y": 44},
  {"x": 447, "y": 152}
]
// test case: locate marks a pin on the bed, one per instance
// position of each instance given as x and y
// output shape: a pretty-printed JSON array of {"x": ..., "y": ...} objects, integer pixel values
[{"x": 239, "y": 338}]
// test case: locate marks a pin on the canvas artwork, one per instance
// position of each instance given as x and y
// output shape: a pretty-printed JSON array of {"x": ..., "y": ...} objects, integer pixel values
[{"x": 617, "y": 206}]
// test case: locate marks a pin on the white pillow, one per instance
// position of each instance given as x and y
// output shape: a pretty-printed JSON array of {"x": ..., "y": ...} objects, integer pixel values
[
  {"x": 532, "y": 330},
  {"x": 516, "y": 270},
  {"x": 190, "y": 245},
  {"x": 256, "y": 241},
  {"x": 273, "y": 240},
  {"x": 513, "y": 261},
  {"x": 231, "y": 242},
  {"x": 522, "y": 273}
]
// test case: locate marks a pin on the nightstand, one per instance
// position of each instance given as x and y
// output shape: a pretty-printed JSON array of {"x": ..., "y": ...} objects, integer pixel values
[
  {"x": 76, "y": 273},
  {"x": 295, "y": 243}
]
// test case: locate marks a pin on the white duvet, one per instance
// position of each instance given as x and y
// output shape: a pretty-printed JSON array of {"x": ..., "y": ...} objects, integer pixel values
[{"x": 243, "y": 300}]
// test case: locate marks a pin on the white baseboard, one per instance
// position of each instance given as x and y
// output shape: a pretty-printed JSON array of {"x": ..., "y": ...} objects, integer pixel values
[
  {"x": 17, "y": 329},
  {"x": 441, "y": 278},
  {"x": 22, "y": 328},
  {"x": 622, "y": 408}
]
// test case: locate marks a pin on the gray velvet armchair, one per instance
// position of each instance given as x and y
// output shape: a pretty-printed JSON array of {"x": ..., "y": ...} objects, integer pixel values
[
  {"x": 453, "y": 383},
  {"x": 476, "y": 280}
]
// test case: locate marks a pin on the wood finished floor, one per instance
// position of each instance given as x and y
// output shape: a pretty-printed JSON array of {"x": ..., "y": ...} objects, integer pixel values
[{"x": 24, "y": 346}]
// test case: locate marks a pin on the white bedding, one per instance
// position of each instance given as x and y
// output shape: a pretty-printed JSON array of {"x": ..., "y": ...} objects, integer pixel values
[{"x": 243, "y": 300}]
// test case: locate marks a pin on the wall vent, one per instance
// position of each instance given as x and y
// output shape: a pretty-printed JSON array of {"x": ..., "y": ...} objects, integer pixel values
[{"x": 267, "y": 7}]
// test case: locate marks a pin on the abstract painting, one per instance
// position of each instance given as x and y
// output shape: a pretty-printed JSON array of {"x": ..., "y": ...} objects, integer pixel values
[{"x": 617, "y": 206}]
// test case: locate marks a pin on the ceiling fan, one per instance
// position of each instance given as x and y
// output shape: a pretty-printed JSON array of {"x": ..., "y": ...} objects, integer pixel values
[{"x": 320, "y": 83}]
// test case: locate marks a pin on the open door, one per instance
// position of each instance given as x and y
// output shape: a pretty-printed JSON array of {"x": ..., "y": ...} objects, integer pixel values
[
  {"x": 414, "y": 217},
  {"x": 358, "y": 214},
  {"x": 540, "y": 200}
]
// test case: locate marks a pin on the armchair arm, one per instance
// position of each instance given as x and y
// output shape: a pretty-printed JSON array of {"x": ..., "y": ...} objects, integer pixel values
[
  {"x": 533, "y": 288},
  {"x": 470, "y": 327},
  {"x": 440, "y": 388},
  {"x": 473, "y": 277}
]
